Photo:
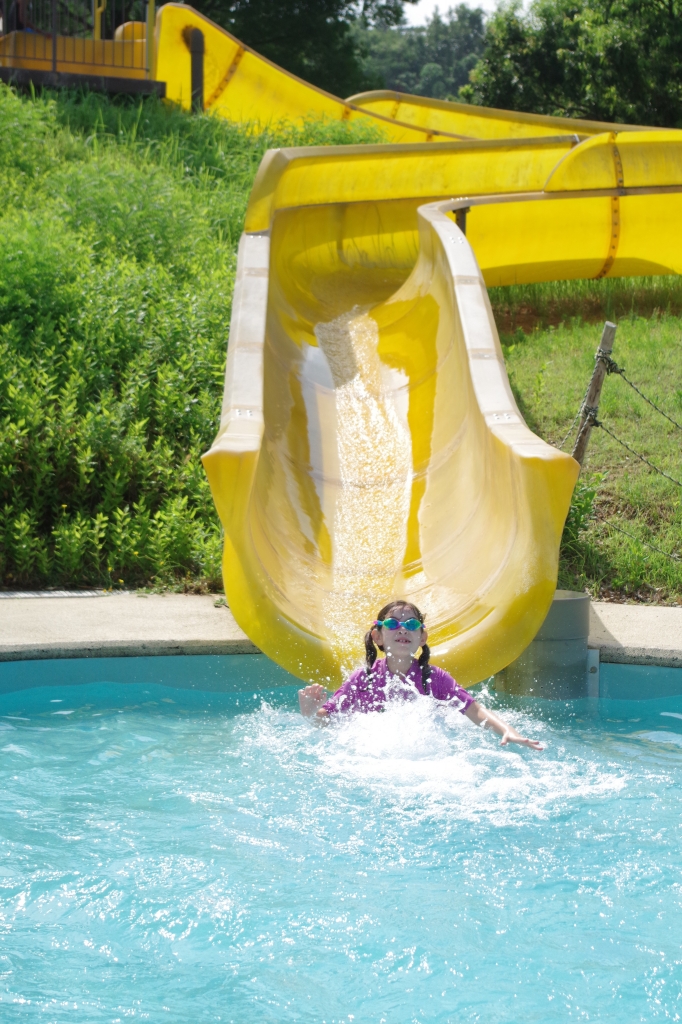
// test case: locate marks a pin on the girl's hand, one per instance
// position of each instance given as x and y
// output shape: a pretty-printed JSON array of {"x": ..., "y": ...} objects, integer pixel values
[
  {"x": 510, "y": 735},
  {"x": 489, "y": 720},
  {"x": 311, "y": 698}
]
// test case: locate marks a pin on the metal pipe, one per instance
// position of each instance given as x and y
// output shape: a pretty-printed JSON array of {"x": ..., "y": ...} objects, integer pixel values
[
  {"x": 196, "y": 49},
  {"x": 151, "y": 18},
  {"x": 54, "y": 36},
  {"x": 99, "y": 11},
  {"x": 461, "y": 218}
]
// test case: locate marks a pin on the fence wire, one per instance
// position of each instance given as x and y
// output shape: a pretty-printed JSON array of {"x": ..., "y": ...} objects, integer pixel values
[
  {"x": 652, "y": 547},
  {"x": 575, "y": 419},
  {"x": 598, "y": 423},
  {"x": 613, "y": 367}
]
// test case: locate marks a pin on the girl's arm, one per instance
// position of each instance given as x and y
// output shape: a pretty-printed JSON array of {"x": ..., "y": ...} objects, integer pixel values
[
  {"x": 310, "y": 701},
  {"x": 488, "y": 719}
]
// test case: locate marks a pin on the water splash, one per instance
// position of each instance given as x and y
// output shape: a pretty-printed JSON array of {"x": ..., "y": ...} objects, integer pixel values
[
  {"x": 375, "y": 469},
  {"x": 430, "y": 764}
]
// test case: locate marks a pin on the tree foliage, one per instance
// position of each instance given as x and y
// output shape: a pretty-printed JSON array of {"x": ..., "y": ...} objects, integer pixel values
[
  {"x": 611, "y": 60},
  {"x": 310, "y": 38},
  {"x": 428, "y": 60}
]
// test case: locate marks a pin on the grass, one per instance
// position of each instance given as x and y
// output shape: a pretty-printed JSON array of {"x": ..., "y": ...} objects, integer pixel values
[
  {"x": 550, "y": 362},
  {"x": 529, "y": 307},
  {"x": 120, "y": 224}
]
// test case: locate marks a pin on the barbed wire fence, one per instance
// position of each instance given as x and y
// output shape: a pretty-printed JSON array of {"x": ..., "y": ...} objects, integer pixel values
[
  {"x": 587, "y": 414},
  {"x": 613, "y": 367},
  {"x": 575, "y": 420},
  {"x": 638, "y": 540}
]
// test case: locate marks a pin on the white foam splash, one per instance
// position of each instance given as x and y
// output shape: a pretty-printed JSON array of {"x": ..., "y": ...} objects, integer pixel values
[
  {"x": 375, "y": 470},
  {"x": 426, "y": 761}
]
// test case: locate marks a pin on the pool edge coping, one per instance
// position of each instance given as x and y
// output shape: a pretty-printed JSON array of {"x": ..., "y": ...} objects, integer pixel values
[
  {"x": 123, "y": 626},
  {"x": 124, "y": 649},
  {"x": 608, "y": 654}
]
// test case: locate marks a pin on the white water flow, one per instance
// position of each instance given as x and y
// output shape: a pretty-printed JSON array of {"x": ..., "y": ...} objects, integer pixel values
[{"x": 375, "y": 470}]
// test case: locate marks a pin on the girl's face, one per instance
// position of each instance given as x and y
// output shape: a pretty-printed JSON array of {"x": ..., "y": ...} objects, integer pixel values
[{"x": 401, "y": 641}]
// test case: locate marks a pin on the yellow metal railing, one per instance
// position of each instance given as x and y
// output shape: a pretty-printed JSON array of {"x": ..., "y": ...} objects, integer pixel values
[{"x": 98, "y": 11}]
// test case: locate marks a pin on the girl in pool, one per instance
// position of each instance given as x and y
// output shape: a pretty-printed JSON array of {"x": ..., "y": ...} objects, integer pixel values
[{"x": 399, "y": 632}]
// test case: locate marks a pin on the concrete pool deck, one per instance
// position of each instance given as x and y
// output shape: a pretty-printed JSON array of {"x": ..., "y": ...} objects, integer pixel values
[
  {"x": 143, "y": 625},
  {"x": 636, "y": 634},
  {"x": 117, "y": 625}
]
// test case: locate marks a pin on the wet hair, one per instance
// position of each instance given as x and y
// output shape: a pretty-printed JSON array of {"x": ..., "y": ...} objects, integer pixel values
[{"x": 371, "y": 648}]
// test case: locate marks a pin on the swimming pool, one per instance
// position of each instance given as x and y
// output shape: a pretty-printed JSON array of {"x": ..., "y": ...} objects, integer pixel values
[{"x": 185, "y": 855}]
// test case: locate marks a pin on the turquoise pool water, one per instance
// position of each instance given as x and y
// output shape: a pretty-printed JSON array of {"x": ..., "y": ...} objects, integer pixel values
[{"x": 184, "y": 856}]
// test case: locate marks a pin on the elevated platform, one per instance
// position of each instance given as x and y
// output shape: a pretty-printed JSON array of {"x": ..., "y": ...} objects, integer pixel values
[
  {"x": 35, "y": 51},
  {"x": 23, "y": 78}
]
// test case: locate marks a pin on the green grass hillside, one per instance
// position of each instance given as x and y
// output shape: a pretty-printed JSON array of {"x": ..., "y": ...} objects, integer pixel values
[
  {"x": 120, "y": 225},
  {"x": 550, "y": 334}
]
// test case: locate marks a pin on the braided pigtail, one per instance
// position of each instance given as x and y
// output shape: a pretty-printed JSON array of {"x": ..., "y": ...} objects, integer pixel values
[
  {"x": 370, "y": 650},
  {"x": 425, "y": 667}
]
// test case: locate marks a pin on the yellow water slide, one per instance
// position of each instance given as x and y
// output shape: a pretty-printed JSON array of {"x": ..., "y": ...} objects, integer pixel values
[
  {"x": 467, "y": 120},
  {"x": 246, "y": 88},
  {"x": 369, "y": 443}
]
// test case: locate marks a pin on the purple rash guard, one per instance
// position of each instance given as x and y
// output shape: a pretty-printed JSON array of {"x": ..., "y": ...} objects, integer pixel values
[{"x": 369, "y": 690}]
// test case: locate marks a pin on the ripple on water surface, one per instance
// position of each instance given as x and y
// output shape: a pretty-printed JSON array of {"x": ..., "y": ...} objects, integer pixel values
[{"x": 168, "y": 855}]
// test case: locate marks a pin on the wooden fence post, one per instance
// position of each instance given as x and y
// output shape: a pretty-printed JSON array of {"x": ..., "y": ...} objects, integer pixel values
[{"x": 591, "y": 404}]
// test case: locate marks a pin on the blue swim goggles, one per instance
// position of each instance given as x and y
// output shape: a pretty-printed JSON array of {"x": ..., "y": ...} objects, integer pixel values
[{"x": 410, "y": 624}]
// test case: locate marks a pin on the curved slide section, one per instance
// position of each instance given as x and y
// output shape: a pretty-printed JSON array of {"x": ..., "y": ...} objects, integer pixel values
[
  {"x": 395, "y": 180},
  {"x": 471, "y": 121},
  {"x": 369, "y": 443},
  {"x": 621, "y": 216},
  {"x": 611, "y": 207},
  {"x": 375, "y": 448},
  {"x": 246, "y": 88}
]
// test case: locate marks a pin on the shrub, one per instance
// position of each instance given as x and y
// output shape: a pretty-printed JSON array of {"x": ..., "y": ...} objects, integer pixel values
[{"x": 116, "y": 273}]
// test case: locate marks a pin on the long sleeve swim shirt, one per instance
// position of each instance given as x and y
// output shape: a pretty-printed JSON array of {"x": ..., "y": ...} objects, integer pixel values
[{"x": 368, "y": 690}]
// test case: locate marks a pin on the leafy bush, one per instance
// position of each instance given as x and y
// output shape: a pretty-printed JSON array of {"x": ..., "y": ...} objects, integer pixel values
[
  {"x": 581, "y": 515},
  {"x": 116, "y": 273}
]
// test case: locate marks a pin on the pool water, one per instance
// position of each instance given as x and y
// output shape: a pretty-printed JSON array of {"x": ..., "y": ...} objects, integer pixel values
[{"x": 168, "y": 855}]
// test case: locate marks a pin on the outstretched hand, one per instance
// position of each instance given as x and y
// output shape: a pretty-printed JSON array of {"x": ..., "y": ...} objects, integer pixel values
[
  {"x": 510, "y": 735},
  {"x": 489, "y": 720},
  {"x": 311, "y": 698}
]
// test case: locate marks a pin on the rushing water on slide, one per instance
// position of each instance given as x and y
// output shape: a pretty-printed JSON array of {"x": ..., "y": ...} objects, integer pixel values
[{"x": 169, "y": 855}]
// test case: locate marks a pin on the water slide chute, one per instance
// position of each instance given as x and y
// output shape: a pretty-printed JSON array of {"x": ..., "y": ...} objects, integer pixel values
[
  {"x": 246, "y": 88},
  {"x": 471, "y": 121},
  {"x": 370, "y": 443}
]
